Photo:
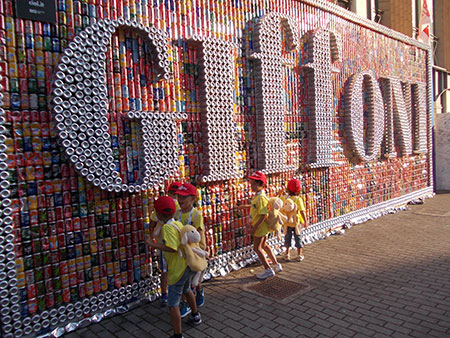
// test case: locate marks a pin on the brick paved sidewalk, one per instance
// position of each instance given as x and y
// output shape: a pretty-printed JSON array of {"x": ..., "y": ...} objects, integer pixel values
[{"x": 387, "y": 277}]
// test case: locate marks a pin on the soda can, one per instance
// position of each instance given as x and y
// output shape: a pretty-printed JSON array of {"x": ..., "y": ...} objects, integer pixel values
[
  {"x": 56, "y": 283},
  {"x": 74, "y": 294},
  {"x": 72, "y": 265},
  {"x": 56, "y": 272},
  {"x": 40, "y": 288},
  {"x": 58, "y": 297},
  {"x": 31, "y": 290},
  {"x": 66, "y": 295},
  {"x": 50, "y": 299},
  {"x": 80, "y": 263},
  {"x": 73, "y": 279},
  {"x": 65, "y": 283},
  {"x": 21, "y": 280},
  {"x": 24, "y": 309},
  {"x": 42, "y": 304},
  {"x": 81, "y": 290},
  {"x": 38, "y": 275}
]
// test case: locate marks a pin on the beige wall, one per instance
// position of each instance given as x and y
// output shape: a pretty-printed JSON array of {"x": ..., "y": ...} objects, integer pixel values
[
  {"x": 442, "y": 31},
  {"x": 398, "y": 15}
]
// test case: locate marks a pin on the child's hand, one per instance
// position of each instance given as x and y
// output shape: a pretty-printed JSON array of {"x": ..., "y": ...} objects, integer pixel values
[{"x": 150, "y": 241}]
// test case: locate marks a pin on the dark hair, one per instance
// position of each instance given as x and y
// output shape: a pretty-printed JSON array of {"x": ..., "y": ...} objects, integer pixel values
[
  {"x": 261, "y": 183},
  {"x": 291, "y": 193}
]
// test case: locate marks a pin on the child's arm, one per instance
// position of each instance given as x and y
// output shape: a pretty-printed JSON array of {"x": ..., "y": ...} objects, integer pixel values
[
  {"x": 159, "y": 246},
  {"x": 243, "y": 206},
  {"x": 303, "y": 213},
  {"x": 257, "y": 224}
]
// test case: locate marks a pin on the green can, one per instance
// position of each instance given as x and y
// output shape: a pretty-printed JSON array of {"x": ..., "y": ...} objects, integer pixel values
[
  {"x": 32, "y": 86},
  {"x": 14, "y": 84}
]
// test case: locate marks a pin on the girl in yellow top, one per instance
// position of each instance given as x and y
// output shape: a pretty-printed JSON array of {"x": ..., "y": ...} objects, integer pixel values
[
  {"x": 187, "y": 214},
  {"x": 259, "y": 230},
  {"x": 179, "y": 274},
  {"x": 156, "y": 228},
  {"x": 293, "y": 189}
]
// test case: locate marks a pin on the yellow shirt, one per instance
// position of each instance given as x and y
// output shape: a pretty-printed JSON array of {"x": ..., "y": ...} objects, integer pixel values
[
  {"x": 300, "y": 206},
  {"x": 258, "y": 208},
  {"x": 194, "y": 218},
  {"x": 176, "y": 265}
]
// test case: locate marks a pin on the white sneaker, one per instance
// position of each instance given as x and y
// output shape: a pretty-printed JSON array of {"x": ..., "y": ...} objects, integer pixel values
[
  {"x": 266, "y": 274},
  {"x": 278, "y": 268}
]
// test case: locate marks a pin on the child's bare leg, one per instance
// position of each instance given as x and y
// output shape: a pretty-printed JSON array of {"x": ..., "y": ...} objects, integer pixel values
[
  {"x": 258, "y": 243},
  {"x": 269, "y": 251},
  {"x": 164, "y": 284},
  {"x": 176, "y": 319},
  {"x": 190, "y": 298}
]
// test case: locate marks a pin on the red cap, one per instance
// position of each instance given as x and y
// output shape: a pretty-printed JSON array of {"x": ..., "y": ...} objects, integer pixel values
[
  {"x": 187, "y": 189},
  {"x": 258, "y": 176},
  {"x": 173, "y": 187},
  {"x": 165, "y": 205},
  {"x": 294, "y": 186}
]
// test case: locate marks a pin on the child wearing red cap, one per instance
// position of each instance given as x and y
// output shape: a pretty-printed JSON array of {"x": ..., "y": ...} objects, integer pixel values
[
  {"x": 259, "y": 230},
  {"x": 187, "y": 214},
  {"x": 294, "y": 188},
  {"x": 178, "y": 273},
  {"x": 155, "y": 227}
]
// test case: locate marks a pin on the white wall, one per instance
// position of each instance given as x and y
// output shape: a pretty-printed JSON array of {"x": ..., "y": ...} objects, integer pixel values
[{"x": 442, "y": 151}]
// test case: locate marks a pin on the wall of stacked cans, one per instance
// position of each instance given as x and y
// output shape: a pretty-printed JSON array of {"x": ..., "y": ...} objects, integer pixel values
[{"x": 105, "y": 108}]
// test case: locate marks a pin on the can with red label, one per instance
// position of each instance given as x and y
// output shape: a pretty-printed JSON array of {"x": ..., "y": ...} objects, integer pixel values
[
  {"x": 50, "y": 299},
  {"x": 32, "y": 306},
  {"x": 96, "y": 285},
  {"x": 66, "y": 295},
  {"x": 31, "y": 291},
  {"x": 73, "y": 279}
]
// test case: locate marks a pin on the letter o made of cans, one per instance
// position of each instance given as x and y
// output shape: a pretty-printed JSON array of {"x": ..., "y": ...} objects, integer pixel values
[
  {"x": 80, "y": 110},
  {"x": 354, "y": 115}
]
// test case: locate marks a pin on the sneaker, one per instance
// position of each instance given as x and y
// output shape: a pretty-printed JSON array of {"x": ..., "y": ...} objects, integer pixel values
[
  {"x": 185, "y": 309},
  {"x": 300, "y": 258},
  {"x": 196, "y": 319},
  {"x": 200, "y": 297},
  {"x": 173, "y": 336},
  {"x": 278, "y": 268},
  {"x": 266, "y": 274},
  {"x": 164, "y": 299},
  {"x": 286, "y": 257}
]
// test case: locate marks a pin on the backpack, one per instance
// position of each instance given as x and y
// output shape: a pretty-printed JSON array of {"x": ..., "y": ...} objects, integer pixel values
[{"x": 195, "y": 257}]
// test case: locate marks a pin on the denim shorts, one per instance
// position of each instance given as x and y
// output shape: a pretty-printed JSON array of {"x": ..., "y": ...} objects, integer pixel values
[
  {"x": 183, "y": 286},
  {"x": 288, "y": 238}
]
